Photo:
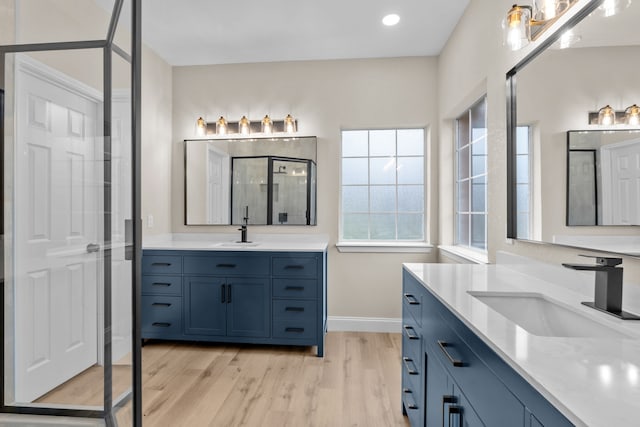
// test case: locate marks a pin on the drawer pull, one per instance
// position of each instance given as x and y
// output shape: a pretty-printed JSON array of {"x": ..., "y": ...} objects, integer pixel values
[
  {"x": 294, "y": 267},
  {"x": 443, "y": 346},
  {"x": 456, "y": 410},
  {"x": 413, "y": 404},
  {"x": 296, "y": 309},
  {"x": 298, "y": 330},
  {"x": 161, "y": 304},
  {"x": 161, "y": 324},
  {"x": 411, "y": 333},
  {"x": 160, "y": 284},
  {"x": 225, "y": 266},
  {"x": 410, "y": 370},
  {"x": 446, "y": 399},
  {"x": 294, "y": 288},
  {"x": 161, "y": 264},
  {"x": 412, "y": 300}
]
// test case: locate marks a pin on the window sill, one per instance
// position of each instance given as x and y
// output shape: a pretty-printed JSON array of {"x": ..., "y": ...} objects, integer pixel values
[
  {"x": 462, "y": 254},
  {"x": 384, "y": 247}
]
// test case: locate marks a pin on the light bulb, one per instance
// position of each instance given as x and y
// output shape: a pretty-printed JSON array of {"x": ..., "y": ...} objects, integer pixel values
[
  {"x": 267, "y": 125},
  {"x": 221, "y": 126},
  {"x": 632, "y": 115},
  {"x": 201, "y": 127},
  {"x": 289, "y": 124},
  {"x": 606, "y": 116},
  {"x": 244, "y": 126},
  {"x": 516, "y": 27}
]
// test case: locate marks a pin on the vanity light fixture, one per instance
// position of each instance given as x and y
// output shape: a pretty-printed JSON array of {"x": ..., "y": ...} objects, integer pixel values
[
  {"x": 221, "y": 126},
  {"x": 632, "y": 115},
  {"x": 201, "y": 127},
  {"x": 244, "y": 126},
  {"x": 267, "y": 125},
  {"x": 289, "y": 124},
  {"x": 524, "y": 23}
]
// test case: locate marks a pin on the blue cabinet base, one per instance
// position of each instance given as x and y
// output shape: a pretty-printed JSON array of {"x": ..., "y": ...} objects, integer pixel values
[{"x": 272, "y": 298}]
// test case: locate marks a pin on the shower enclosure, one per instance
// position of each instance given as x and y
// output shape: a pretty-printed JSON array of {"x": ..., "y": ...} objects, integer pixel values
[
  {"x": 276, "y": 190},
  {"x": 70, "y": 103}
]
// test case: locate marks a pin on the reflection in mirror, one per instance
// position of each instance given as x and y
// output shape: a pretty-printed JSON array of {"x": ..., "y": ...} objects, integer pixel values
[
  {"x": 553, "y": 189},
  {"x": 603, "y": 178},
  {"x": 274, "y": 177}
]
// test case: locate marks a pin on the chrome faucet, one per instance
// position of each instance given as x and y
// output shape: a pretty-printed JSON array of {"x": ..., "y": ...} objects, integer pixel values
[
  {"x": 243, "y": 227},
  {"x": 608, "y": 291}
]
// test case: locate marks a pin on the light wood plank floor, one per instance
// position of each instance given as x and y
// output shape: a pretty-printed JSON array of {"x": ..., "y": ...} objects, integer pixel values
[{"x": 357, "y": 383}]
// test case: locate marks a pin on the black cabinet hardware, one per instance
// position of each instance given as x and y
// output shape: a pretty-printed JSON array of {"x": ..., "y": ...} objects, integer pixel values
[
  {"x": 443, "y": 346},
  {"x": 161, "y": 264},
  {"x": 223, "y": 294},
  {"x": 229, "y": 294},
  {"x": 294, "y": 267},
  {"x": 299, "y": 330},
  {"x": 225, "y": 265},
  {"x": 296, "y": 309},
  {"x": 412, "y": 300},
  {"x": 411, "y": 333},
  {"x": 161, "y": 304},
  {"x": 160, "y": 284},
  {"x": 161, "y": 324},
  {"x": 407, "y": 364},
  {"x": 294, "y": 288}
]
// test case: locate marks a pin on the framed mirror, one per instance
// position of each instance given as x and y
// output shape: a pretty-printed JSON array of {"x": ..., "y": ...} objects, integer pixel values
[
  {"x": 269, "y": 181},
  {"x": 556, "y": 181}
]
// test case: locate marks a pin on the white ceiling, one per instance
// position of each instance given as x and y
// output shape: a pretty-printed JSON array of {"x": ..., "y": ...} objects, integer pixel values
[{"x": 192, "y": 32}]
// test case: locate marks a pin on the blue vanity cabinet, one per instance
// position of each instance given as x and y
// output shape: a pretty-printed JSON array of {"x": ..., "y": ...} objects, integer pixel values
[
  {"x": 413, "y": 360},
  {"x": 465, "y": 382},
  {"x": 255, "y": 297}
]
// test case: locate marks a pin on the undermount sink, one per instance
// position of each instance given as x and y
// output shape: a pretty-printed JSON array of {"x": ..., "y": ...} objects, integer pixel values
[
  {"x": 235, "y": 244},
  {"x": 540, "y": 315}
]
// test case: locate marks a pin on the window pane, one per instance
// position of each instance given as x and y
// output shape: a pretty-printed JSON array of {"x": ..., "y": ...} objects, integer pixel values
[
  {"x": 382, "y": 143},
  {"x": 522, "y": 169},
  {"x": 478, "y": 134},
  {"x": 463, "y": 229},
  {"x": 383, "y": 226},
  {"x": 462, "y": 126},
  {"x": 522, "y": 198},
  {"x": 478, "y": 165},
  {"x": 463, "y": 163},
  {"x": 478, "y": 195},
  {"x": 383, "y": 170},
  {"x": 410, "y": 170},
  {"x": 523, "y": 226},
  {"x": 355, "y": 199},
  {"x": 410, "y": 142},
  {"x": 463, "y": 196},
  {"x": 411, "y": 226},
  {"x": 355, "y": 143},
  {"x": 478, "y": 235},
  {"x": 383, "y": 198},
  {"x": 522, "y": 140},
  {"x": 355, "y": 226},
  {"x": 411, "y": 198},
  {"x": 479, "y": 114},
  {"x": 355, "y": 171}
]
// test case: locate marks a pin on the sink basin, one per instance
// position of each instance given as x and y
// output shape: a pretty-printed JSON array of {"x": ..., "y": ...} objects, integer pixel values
[
  {"x": 540, "y": 315},
  {"x": 235, "y": 244}
]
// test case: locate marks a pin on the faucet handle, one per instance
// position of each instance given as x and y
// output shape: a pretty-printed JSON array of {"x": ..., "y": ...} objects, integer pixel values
[{"x": 605, "y": 261}]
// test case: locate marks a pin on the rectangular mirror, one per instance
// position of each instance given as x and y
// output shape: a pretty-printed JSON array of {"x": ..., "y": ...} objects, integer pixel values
[
  {"x": 268, "y": 180},
  {"x": 568, "y": 187}
]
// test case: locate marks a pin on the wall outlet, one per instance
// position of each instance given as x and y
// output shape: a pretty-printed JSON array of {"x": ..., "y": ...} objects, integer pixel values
[{"x": 149, "y": 221}]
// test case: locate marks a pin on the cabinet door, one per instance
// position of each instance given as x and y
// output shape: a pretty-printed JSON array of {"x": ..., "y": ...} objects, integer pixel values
[
  {"x": 439, "y": 392},
  {"x": 459, "y": 412},
  {"x": 205, "y": 306},
  {"x": 248, "y": 308}
]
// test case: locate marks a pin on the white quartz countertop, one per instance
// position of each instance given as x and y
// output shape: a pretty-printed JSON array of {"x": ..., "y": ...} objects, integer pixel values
[
  {"x": 229, "y": 242},
  {"x": 593, "y": 381}
]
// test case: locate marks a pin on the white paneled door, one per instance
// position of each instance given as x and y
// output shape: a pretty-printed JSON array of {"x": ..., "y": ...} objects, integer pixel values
[
  {"x": 58, "y": 223},
  {"x": 621, "y": 183}
]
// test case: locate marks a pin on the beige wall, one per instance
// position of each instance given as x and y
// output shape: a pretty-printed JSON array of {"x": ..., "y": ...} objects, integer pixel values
[
  {"x": 474, "y": 61},
  {"x": 325, "y": 97}
]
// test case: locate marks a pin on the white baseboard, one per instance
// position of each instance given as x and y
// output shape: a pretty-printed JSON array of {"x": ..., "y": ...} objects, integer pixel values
[{"x": 364, "y": 324}]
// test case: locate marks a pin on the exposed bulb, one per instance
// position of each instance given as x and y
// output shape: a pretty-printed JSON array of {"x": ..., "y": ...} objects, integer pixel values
[
  {"x": 632, "y": 115},
  {"x": 221, "y": 126},
  {"x": 244, "y": 126},
  {"x": 289, "y": 124},
  {"x": 201, "y": 127},
  {"x": 267, "y": 125},
  {"x": 606, "y": 116}
]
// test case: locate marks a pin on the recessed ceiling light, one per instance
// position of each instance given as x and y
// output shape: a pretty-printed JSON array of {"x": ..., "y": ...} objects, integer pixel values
[{"x": 391, "y": 19}]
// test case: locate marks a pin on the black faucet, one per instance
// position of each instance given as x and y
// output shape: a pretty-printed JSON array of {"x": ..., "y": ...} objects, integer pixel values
[
  {"x": 243, "y": 227},
  {"x": 608, "y": 291}
]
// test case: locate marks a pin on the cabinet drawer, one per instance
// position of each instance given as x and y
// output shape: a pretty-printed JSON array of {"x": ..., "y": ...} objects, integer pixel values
[
  {"x": 161, "y": 264},
  {"x": 295, "y": 288},
  {"x": 162, "y": 285},
  {"x": 479, "y": 383},
  {"x": 294, "y": 329},
  {"x": 412, "y": 295},
  {"x": 161, "y": 316},
  {"x": 228, "y": 265},
  {"x": 412, "y": 405},
  {"x": 295, "y": 266},
  {"x": 294, "y": 309}
]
